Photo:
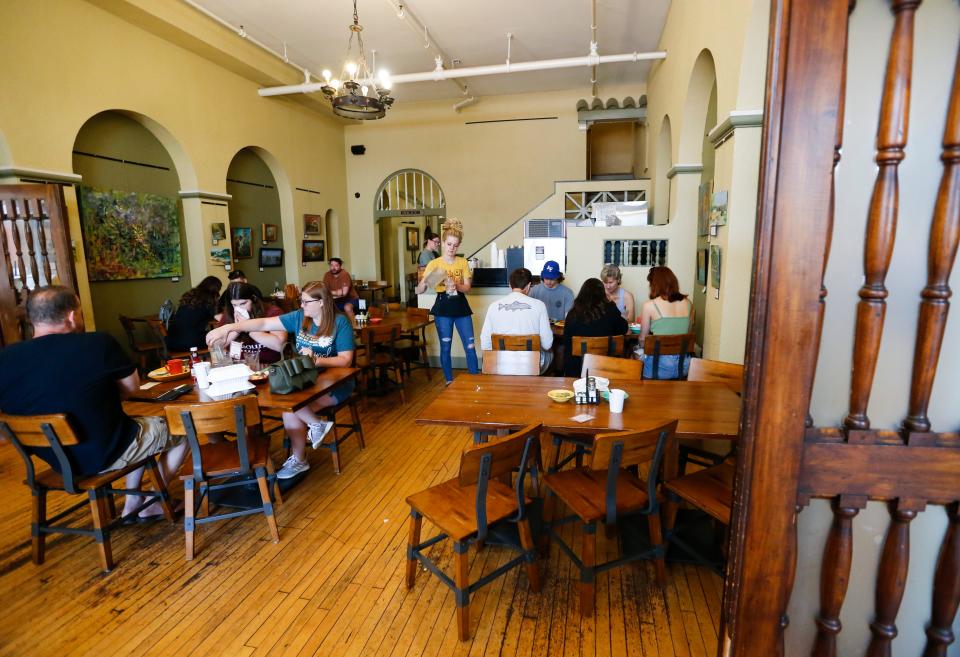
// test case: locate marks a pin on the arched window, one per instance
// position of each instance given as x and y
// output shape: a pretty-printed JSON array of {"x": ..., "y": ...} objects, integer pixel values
[{"x": 410, "y": 192}]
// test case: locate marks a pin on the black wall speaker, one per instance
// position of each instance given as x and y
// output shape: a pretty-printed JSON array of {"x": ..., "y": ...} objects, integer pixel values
[{"x": 358, "y": 149}]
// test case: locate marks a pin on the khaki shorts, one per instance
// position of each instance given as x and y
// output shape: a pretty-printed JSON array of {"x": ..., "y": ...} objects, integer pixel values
[{"x": 153, "y": 438}]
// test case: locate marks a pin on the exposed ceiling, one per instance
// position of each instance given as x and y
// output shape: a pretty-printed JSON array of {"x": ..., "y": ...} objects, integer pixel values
[{"x": 315, "y": 33}]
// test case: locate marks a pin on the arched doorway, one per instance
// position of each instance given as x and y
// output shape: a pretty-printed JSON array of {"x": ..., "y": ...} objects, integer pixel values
[
  {"x": 408, "y": 203},
  {"x": 131, "y": 218}
]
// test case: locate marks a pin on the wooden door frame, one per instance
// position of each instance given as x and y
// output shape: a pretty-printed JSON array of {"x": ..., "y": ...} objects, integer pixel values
[{"x": 807, "y": 46}]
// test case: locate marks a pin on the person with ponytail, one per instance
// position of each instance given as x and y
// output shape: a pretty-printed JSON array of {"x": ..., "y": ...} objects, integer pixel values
[{"x": 450, "y": 276}]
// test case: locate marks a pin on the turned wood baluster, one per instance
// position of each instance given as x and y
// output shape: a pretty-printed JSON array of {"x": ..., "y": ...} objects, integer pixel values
[
  {"x": 882, "y": 218},
  {"x": 935, "y": 297},
  {"x": 42, "y": 217},
  {"x": 891, "y": 578},
  {"x": 18, "y": 244},
  {"x": 835, "y": 574},
  {"x": 31, "y": 254},
  {"x": 946, "y": 589},
  {"x": 6, "y": 222},
  {"x": 837, "y": 145}
]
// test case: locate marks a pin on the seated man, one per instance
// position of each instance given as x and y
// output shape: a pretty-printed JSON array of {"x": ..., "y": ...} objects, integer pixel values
[
  {"x": 85, "y": 376},
  {"x": 558, "y": 298},
  {"x": 519, "y": 314},
  {"x": 340, "y": 284}
]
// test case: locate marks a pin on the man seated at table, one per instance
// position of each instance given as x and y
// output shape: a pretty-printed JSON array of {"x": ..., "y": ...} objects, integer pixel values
[
  {"x": 85, "y": 376},
  {"x": 519, "y": 314},
  {"x": 558, "y": 298},
  {"x": 340, "y": 284}
]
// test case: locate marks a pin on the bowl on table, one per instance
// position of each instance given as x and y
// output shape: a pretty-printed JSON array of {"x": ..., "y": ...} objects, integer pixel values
[
  {"x": 375, "y": 320},
  {"x": 260, "y": 376},
  {"x": 605, "y": 394},
  {"x": 560, "y": 396},
  {"x": 635, "y": 328},
  {"x": 161, "y": 374}
]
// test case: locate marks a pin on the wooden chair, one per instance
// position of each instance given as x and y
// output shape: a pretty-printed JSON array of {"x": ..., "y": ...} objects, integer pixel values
[
  {"x": 502, "y": 342},
  {"x": 225, "y": 464},
  {"x": 393, "y": 306},
  {"x": 336, "y": 435},
  {"x": 29, "y": 432},
  {"x": 413, "y": 344},
  {"x": 605, "y": 491},
  {"x": 476, "y": 507},
  {"x": 604, "y": 345},
  {"x": 717, "y": 371},
  {"x": 514, "y": 363},
  {"x": 655, "y": 346},
  {"x": 143, "y": 350},
  {"x": 375, "y": 311},
  {"x": 610, "y": 367},
  {"x": 709, "y": 490},
  {"x": 380, "y": 355}
]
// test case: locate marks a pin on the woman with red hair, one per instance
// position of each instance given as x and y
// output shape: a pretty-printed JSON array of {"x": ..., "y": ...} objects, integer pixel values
[{"x": 668, "y": 312}]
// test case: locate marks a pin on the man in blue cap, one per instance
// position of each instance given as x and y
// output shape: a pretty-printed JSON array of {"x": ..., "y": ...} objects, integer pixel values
[{"x": 556, "y": 297}]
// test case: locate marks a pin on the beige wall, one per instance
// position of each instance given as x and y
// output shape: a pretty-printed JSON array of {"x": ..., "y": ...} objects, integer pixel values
[{"x": 82, "y": 60}]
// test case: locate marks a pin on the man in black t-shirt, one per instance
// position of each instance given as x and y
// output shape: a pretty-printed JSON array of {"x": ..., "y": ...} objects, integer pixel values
[{"x": 85, "y": 376}]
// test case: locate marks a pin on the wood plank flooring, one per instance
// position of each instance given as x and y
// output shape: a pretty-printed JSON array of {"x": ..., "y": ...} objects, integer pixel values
[{"x": 334, "y": 583}]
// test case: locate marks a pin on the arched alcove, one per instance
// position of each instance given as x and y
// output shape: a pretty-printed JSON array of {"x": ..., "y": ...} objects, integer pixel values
[
  {"x": 661, "y": 194},
  {"x": 703, "y": 78},
  {"x": 256, "y": 219},
  {"x": 131, "y": 217}
]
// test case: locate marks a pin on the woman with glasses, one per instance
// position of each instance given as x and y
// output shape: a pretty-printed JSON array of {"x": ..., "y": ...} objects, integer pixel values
[
  {"x": 321, "y": 333},
  {"x": 430, "y": 252}
]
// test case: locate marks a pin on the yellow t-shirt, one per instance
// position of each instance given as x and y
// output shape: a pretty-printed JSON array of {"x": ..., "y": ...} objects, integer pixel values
[{"x": 459, "y": 270}]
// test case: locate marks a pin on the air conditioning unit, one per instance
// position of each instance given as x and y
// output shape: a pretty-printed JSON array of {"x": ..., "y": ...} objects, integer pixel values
[
  {"x": 543, "y": 240},
  {"x": 544, "y": 228}
]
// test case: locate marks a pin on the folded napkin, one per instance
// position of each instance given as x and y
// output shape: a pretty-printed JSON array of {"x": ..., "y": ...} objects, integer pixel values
[{"x": 580, "y": 385}]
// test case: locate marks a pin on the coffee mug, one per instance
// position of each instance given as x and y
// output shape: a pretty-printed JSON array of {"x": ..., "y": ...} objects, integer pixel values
[{"x": 175, "y": 366}]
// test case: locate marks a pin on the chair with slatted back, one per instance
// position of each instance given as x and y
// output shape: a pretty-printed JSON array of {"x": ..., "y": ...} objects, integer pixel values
[
  {"x": 604, "y": 345},
  {"x": 657, "y": 346},
  {"x": 478, "y": 507},
  {"x": 717, "y": 371},
  {"x": 380, "y": 356},
  {"x": 605, "y": 491},
  {"x": 502, "y": 342},
  {"x": 144, "y": 350},
  {"x": 610, "y": 367},
  {"x": 29, "y": 432},
  {"x": 513, "y": 363},
  {"x": 709, "y": 490},
  {"x": 224, "y": 464},
  {"x": 413, "y": 343}
]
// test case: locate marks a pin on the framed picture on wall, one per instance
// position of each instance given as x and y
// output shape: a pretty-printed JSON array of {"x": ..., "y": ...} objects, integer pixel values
[
  {"x": 313, "y": 251},
  {"x": 271, "y": 257},
  {"x": 715, "y": 266},
  {"x": 312, "y": 224},
  {"x": 220, "y": 255},
  {"x": 413, "y": 238},
  {"x": 242, "y": 242},
  {"x": 269, "y": 232},
  {"x": 703, "y": 259},
  {"x": 218, "y": 232},
  {"x": 703, "y": 208},
  {"x": 718, "y": 209}
]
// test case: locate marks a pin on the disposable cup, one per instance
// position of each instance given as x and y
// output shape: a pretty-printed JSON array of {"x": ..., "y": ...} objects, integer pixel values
[{"x": 616, "y": 400}]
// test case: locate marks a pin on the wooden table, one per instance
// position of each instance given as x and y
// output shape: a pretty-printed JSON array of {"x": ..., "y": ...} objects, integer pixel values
[
  {"x": 326, "y": 381},
  {"x": 404, "y": 320},
  {"x": 372, "y": 289}
]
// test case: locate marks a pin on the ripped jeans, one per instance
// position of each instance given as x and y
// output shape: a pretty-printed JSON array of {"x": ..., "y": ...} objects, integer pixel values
[{"x": 445, "y": 332}]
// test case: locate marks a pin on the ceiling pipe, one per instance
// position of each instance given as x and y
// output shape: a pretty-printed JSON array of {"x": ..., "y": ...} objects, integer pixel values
[
  {"x": 593, "y": 46},
  {"x": 466, "y": 102},
  {"x": 441, "y": 73}
]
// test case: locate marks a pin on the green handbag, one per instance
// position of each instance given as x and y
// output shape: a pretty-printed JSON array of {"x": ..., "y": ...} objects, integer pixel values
[{"x": 292, "y": 374}]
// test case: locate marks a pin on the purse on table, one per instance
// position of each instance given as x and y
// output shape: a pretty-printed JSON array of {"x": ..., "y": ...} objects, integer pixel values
[{"x": 292, "y": 374}]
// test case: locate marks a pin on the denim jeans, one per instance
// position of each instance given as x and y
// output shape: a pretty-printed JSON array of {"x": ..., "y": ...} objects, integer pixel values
[
  {"x": 669, "y": 367},
  {"x": 445, "y": 333}
]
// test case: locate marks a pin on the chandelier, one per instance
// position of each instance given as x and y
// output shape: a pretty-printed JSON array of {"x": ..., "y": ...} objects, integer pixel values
[{"x": 355, "y": 94}]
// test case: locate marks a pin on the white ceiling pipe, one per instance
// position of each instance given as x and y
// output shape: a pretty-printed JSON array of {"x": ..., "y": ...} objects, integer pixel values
[
  {"x": 420, "y": 28},
  {"x": 474, "y": 71},
  {"x": 593, "y": 46}
]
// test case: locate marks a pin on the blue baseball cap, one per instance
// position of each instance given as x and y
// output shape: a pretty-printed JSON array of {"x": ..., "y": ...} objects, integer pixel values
[{"x": 551, "y": 270}]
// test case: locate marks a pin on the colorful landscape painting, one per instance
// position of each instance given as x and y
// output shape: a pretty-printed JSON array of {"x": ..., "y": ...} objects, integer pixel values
[
  {"x": 242, "y": 242},
  {"x": 129, "y": 235},
  {"x": 313, "y": 251}
]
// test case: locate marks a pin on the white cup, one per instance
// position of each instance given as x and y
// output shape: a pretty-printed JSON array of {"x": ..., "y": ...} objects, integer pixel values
[
  {"x": 616, "y": 400},
  {"x": 201, "y": 372}
]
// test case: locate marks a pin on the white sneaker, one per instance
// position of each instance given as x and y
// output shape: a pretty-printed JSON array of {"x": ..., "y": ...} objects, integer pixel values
[
  {"x": 292, "y": 467},
  {"x": 316, "y": 431}
]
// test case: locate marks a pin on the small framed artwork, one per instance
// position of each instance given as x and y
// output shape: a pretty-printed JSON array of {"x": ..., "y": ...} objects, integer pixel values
[
  {"x": 312, "y": 224},
  {"x": 220, "y": 255},
  {"x": 269, "y": 232},
  {"x": 271, "y": 257},
  {"x": 703, "y": 207},
  {"x": 715, "y": 266},
  {"x": 703, "y": 259},
  {"x": 413, "y": 238},
  {"x": 313, "y": 251},
  {"x": 218, "y": 232},
  {"x": 718, "y": 209},
  {"x": 242, "y": 242}
]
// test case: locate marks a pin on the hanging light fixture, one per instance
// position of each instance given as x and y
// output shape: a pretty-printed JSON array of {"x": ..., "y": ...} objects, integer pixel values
[{"x": 356, "y": 94}]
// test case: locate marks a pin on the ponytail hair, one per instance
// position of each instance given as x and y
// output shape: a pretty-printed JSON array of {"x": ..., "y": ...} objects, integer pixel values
[{"x": 452, "y": 226}]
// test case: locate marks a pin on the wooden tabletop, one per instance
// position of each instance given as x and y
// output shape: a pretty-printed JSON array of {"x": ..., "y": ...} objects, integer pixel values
[
  {"x": 705, "y": 410},
  {"x": 405, "y": 321},
  {"x": 327, "y": 380}
]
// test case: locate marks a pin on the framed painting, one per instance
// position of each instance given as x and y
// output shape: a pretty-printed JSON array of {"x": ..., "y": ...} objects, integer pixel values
[
  {"x": 718, "y": 209},
  {"x": 218, "y": 231},
  {"x": 703, "y": 259},
  {"x": 242, "y": 242},
  {"x": 413, "y": 239},
  {"x": 271, "y": 257},
  {"x": 269, "y": 232},
  {"x": 715, "y": 266},
  {"x": 220, "y": 255},
  {"x": 703, "y": 208},
  {"x": 313, "y": 251},
  {"x": 129, "y": 235},
  {"x": 312, "y": 224}
]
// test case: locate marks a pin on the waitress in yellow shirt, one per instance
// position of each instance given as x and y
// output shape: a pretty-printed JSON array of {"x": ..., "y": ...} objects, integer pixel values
[{"x": 451, "y": 278}]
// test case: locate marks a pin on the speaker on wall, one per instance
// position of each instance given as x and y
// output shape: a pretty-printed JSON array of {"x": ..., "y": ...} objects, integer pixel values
[{"x": 358, "y": 149}]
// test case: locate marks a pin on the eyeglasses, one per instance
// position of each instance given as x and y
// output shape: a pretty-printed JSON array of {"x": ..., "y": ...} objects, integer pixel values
[{"x": 304, "y": 302}]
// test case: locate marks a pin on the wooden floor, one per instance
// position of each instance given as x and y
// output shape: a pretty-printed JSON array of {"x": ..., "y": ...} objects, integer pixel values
[{"x": 334, "y": 583}]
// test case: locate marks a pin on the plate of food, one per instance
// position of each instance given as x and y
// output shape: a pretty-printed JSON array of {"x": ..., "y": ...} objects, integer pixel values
[
  {"x": 560, "y": 396},
  {"x": 162, "y": 374},
  {"x": 260, "y": 376}
]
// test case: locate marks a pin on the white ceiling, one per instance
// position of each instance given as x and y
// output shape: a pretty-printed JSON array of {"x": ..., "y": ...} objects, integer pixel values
[{"x": 473, "y": 31}]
